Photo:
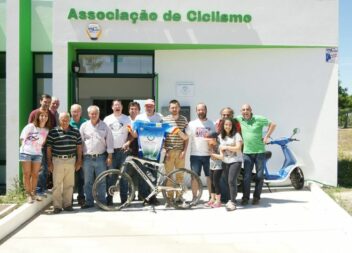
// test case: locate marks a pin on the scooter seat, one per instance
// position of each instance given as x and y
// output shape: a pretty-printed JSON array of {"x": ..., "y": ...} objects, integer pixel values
[{"x": 268, "y": 155}]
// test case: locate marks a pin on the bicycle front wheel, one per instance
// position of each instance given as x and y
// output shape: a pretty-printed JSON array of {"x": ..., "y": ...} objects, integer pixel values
[
  {"x": 113, "y": 190},
  {"x": 182, "y": 188}
]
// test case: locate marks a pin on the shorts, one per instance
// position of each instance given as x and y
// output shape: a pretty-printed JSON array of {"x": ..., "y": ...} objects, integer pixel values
[
  {"x": 33, "y": 158},
  {"x": 197, "y": 162}
]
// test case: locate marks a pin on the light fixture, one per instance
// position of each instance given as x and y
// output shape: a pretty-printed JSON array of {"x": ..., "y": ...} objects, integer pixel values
[{"x": 75, "y": 67}]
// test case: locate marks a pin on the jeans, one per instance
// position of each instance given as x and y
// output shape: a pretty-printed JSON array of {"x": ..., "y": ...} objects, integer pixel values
[
  {"x": 197, "y": 162},
  {"x": 92, "y": 168},
  {"x": 43, "y": 174},
  {"x": 118, "y": 158},
  {"x": 249, "y": 161},
  {"x": 79, "y": 183},
  {"x": 231, "y": 171}
]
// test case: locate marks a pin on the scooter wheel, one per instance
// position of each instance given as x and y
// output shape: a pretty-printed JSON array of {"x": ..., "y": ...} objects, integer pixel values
[{"x": 297, "y": 178}]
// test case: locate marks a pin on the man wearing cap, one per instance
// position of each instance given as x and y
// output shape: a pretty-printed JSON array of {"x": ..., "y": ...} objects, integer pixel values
[
  {"x": 64, "y": 154},
  {"x": 149, "y": 116},
  {"x": 98, "y": 147}
]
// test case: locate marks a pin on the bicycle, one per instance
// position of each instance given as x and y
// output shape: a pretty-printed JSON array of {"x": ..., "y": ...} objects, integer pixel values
[{"x": 181, "y": 188}]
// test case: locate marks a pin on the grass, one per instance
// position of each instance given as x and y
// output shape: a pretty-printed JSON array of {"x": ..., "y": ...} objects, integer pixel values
[
  {"x": 343, "y": 193},
  {"x": 14, "y": 196}
]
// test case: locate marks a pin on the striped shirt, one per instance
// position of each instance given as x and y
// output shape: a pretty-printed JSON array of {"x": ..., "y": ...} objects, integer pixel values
[
  {"x": 63, "y": 142},
  {"x": 174, "y": 141}
]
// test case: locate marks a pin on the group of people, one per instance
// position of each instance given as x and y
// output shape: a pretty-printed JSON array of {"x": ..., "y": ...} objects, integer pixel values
[{"x": 76, "y": 150}]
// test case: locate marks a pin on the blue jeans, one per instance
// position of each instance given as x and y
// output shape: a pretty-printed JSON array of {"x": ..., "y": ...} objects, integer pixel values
[
  {"x": 43, "y": 174},
  {"x": 92, "y": 168},
  {"x": 79, "y": 183},
  {"x": 249, "y": 161},
  {"x": 118, "y": 158},
  {"x": 197, "y": 162}
]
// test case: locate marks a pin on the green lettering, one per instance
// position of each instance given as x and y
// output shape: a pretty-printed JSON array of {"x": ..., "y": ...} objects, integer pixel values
[
  {"x": 134, "y": 17},
  {"x": 100, "y": 15},
  {"x": 205, "y": 17},
  {"x": 192, "y": 16},
  {"x": 82, "y": 15},
  {"x": 72, "y": 14},
  {"x": 247, "y": 18},
  {"x": 124, "y": 16},
  {"x": 224, "y": 18},
  {"x": 235, "y": 18},
  {"x": 110, "y": 15},
  {"x": 91, "y": 15},
  {"x": 143, "y": 16},
  {"x": 153, "y": 16}
]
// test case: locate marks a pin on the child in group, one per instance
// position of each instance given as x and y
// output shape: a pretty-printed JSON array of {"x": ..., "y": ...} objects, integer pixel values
[
  {"x": 215, "y": 171},
  {"x": 231, "y": 155},
  {"x": 33, "y": 137}
]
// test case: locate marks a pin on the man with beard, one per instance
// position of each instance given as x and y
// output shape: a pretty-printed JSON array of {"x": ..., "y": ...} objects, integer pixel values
[{"x": 198, "y": 131}]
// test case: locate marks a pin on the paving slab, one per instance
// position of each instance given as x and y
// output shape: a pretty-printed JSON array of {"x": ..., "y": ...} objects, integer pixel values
[{"x": 285, "y": 221}]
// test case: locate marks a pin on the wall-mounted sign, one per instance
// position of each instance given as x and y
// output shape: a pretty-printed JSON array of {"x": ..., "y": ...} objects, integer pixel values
[
  {"x": 185, "y": 89},
  {"x": 93, "y": 31},
  {"x": 331, "y": 55},
  {"x": 167, "y": 16}
]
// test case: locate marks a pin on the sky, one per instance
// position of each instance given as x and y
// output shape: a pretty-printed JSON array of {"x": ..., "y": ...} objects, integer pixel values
[{"x": 345, "y": 44}]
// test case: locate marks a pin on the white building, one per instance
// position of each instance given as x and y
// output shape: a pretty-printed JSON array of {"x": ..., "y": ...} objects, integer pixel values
[{"x": 278, "y": 56}]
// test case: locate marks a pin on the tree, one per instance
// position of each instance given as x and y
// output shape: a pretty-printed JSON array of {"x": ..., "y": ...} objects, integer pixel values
[{"x": 345, "y": 106}]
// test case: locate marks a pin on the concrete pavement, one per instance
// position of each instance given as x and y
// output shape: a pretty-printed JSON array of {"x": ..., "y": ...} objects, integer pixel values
[{"x": 285, "y": 221}]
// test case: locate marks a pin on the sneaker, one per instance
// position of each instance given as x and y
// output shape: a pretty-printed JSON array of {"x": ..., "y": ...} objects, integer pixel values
[
  {"x": 255, "y": 201},
  {"x": 230, "y": 206},
  {"x": 57, "y": 210},
  {"x": 244, "y": 202},
  {"x": 85, "y": 206},
  {"x": 167, "y": 205},
  {"x": 68, "y": 209},
  {"x": 216, "y": 205},
  {"x": 209, "y": 203},
  {"x": 30, "y": 199},
  {"x": 38, "y": 198}
]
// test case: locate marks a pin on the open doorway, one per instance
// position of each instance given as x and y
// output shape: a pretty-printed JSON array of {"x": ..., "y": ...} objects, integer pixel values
[{"x": 102, "y": 91}]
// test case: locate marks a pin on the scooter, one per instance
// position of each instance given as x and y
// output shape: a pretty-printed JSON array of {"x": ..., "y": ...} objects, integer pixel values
[{"x": 290, "y": 168}]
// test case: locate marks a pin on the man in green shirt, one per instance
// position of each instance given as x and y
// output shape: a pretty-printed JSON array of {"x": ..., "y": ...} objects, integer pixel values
[{"x": 254, "y": 150}]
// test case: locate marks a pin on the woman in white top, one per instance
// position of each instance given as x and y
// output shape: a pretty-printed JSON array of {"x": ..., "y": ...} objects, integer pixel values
[
  {"x": 231, "y": 155},
  {"x": 33, "y": 137}
]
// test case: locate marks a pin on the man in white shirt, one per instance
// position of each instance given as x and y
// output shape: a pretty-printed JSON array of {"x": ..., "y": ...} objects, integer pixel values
[
  {"x": 97, "y": 140},
  {"x": 198, "y": 131},
  {"x": 118, "y": 124}
]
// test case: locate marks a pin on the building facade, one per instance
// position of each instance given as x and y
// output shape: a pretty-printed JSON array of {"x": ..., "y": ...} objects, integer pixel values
[{"x": 278, "y": 56}]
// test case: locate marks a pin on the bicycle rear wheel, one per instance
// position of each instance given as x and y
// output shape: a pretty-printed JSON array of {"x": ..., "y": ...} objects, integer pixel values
[
  {"x": 184, "y": 188},
  {"x": 119, "y": 190}
]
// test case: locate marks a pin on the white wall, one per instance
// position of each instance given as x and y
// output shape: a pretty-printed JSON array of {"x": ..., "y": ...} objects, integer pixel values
[
  {"x": 12, "y": 92},
  {"x": 292, "y": 87}
]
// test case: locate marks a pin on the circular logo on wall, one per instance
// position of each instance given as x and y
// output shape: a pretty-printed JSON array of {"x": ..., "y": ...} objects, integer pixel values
[{"x": 93, "y": 31}]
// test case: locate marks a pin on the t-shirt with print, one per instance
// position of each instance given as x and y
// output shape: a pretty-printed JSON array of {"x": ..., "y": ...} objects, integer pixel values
[
  {"x": 33, "y": 139},
  {"x": 151, "y": 137},
  {"x": 252, "y": 133},
  {"x": 229, "y": 156},
  {"x": 119, "y": 129},
  {"x": 198, "y": 131}
]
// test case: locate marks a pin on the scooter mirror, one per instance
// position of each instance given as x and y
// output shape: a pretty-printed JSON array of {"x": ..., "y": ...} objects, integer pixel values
[{"x": 295, "y": 131}]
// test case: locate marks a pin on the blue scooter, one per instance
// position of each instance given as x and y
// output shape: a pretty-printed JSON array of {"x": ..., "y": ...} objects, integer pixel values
[{"x": 290, "y": 168}]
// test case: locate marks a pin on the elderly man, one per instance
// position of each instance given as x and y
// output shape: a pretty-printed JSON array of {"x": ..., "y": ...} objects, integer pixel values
[
  {"x": 97, "y": 141},
  {"x": 76, "y": 121},
  {"x": 254, "y": 150},
  {"x": 118, "y": 123},
  {"x": 54, "y": 106},
  {"x": 64, "y": 156}
]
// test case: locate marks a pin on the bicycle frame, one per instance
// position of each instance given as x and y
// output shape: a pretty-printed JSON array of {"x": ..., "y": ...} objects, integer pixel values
[{"x": 156, "y": 188}]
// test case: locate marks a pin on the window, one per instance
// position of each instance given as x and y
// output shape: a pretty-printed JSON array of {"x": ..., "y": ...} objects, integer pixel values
[
  {"x": 96, "y": 64},
  {"x": 43, "y": 69},
  {"x": 135, "y": 64}
]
